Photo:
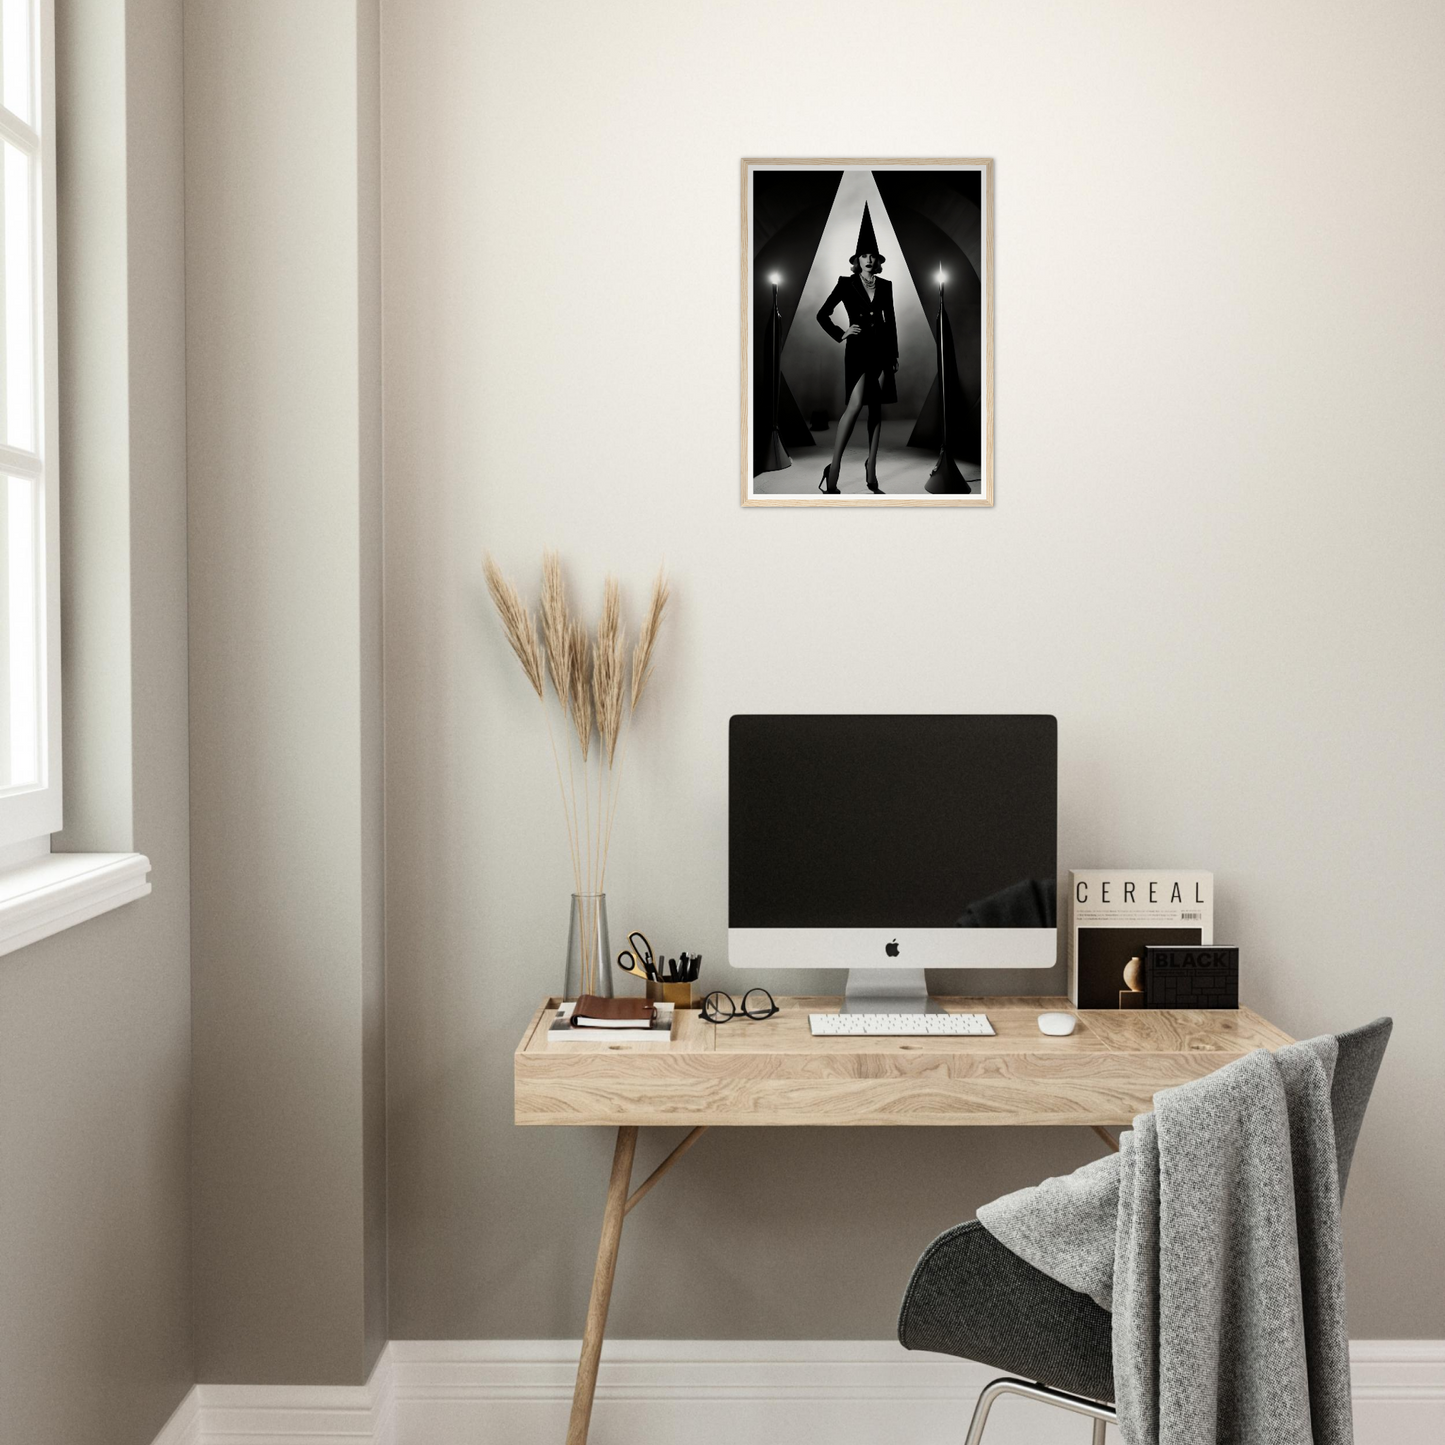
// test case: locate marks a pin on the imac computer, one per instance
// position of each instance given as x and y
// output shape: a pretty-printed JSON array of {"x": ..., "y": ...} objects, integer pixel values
[{"x": 890, "y": 844}]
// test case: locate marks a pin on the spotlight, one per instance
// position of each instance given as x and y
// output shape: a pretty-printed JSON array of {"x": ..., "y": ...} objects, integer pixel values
[{"x": 775, "y": 278}]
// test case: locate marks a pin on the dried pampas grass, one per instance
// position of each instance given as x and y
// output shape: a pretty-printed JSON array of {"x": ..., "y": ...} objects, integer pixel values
[
  {"x": 555, "y": 633},
  {"x": 516, "y": 623},
  {"x": 647, "y": 636},
  {"x": 589, "y": 681},
  {"x": 609, "y": 670},
  {"x": 579, "y": 685}
]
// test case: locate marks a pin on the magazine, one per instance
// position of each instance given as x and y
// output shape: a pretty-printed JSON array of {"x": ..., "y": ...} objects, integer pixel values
[{"x": 1115, "y": 912}]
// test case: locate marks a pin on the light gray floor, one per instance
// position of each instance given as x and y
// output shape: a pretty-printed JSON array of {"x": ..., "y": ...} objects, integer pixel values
[{"x": 902, "y": 470}]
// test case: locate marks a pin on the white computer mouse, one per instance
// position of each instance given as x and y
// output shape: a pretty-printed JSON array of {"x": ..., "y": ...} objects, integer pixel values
[{"x": 1057, "y": 1023}]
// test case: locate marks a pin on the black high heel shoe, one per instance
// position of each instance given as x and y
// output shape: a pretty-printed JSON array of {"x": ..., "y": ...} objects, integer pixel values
[
  {"x": 871, "y": 477},
  {"x": 825, "y": 488}
]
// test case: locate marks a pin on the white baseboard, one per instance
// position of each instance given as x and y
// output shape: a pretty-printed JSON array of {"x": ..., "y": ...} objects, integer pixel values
[
  {"x": 714, "y": 1392},
  {"x": 184, "y": 1427},
  {"x": 288, "y": 1414}
]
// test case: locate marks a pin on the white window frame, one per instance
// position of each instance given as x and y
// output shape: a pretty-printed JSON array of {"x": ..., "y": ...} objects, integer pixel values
[
  {"x": 30, "y": 814},
  {"x": 42, "y": 892}
]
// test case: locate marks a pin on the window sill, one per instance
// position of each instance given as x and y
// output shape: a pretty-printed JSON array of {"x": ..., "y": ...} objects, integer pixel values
[{"x": 59, "y": 890}]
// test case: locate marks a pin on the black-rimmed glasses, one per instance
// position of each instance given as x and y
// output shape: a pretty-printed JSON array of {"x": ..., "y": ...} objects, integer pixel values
[{"x": 718, "y": 1007}]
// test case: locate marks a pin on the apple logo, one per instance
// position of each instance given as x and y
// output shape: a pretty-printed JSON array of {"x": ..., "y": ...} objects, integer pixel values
[{"x": 891, "y": 949}]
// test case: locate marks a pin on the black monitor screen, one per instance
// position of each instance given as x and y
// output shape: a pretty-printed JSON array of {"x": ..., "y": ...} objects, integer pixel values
[{"x": 892, "y": 821}]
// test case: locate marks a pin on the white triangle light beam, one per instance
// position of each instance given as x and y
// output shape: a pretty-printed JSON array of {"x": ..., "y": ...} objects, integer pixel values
[{"x": 812, "y": 361}]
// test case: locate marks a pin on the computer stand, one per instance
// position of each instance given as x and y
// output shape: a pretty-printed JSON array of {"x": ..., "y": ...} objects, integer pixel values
[{"x": 887, "y": 991}]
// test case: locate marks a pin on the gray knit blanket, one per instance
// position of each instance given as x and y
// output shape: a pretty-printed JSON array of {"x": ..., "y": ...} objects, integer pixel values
[{"x": 1214, "y": 1237}]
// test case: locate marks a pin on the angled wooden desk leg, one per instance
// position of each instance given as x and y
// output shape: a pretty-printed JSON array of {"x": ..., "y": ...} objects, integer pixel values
[
  {"x": 640, "y": 1193},
  {"x": 612, "y": 1217}
]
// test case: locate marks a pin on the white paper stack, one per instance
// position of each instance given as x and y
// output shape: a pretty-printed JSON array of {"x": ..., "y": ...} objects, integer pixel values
[{"x": 561, "y": 1031}]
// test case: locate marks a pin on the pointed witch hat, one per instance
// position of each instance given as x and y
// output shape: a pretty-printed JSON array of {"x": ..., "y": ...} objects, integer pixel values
[{"x": 867, "y": 241}]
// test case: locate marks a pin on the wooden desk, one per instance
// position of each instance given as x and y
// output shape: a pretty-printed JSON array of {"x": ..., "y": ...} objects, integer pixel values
[{"x": 769, "y": 1072}]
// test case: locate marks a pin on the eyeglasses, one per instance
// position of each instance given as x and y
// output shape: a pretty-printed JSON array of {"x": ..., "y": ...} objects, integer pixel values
[{"x": 719, "y": 1008}]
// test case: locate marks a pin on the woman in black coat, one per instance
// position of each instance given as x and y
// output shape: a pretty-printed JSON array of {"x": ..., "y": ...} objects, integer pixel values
[{"x": 870, "y": 357}]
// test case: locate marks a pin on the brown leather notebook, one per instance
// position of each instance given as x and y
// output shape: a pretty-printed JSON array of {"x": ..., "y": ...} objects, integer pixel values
[{"x": 593, "y": 1012}]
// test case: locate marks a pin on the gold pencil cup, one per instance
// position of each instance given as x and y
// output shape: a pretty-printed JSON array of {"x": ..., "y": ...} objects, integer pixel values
[{"x": 679, "y": 994}]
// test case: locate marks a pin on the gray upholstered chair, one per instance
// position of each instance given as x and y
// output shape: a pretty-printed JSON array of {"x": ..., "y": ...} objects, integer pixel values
[{"x": 972, "y": 1297}]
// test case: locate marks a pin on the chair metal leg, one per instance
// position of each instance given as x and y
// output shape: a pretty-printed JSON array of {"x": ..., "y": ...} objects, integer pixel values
[
  {"x": 980, "y": 1411},
  {"x": 1100, "y": 1414}
]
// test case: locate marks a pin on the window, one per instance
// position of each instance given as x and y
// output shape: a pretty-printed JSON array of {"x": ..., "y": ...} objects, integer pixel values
[
  {"x": 41, "y": 892},
  {"x": 30, "y": 795}
]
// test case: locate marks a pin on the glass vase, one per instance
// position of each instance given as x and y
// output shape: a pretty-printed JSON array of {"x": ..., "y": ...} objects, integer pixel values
[{"x": 589, "y": 953}]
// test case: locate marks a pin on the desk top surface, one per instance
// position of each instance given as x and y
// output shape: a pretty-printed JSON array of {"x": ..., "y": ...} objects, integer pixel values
[{"x": 772, "y": 1072}]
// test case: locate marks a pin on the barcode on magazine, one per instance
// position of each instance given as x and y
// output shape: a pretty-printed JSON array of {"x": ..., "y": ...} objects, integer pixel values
[{"x": 1195, "y": 916}]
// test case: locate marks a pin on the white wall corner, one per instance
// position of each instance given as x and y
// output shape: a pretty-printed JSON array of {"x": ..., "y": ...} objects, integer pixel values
[{"x": 711, "y": 1392}]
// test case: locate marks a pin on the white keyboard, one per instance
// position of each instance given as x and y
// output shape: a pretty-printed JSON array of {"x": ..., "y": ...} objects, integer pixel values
[{"x": 912, "y": 1026}]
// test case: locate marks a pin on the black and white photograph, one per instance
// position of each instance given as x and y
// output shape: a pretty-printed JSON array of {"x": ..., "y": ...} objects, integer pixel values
[{"x": 867, "y": 332}]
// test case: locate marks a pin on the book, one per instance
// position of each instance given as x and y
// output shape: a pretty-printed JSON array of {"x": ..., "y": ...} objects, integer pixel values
[
  {"x": 592, "y": 1012},
  {"x": 562, "y": 1032},
  {"x": 1115, "y": 913},
  {"x": 1188, "y": 977}
]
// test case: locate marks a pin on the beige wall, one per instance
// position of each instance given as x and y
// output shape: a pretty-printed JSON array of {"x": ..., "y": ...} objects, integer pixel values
[
  {"x": 1215, "y": 556},
  {"x": 369, "y": 638},
  {"x": 282, "y": 321},
  {"x": 95, "y": 1337}
]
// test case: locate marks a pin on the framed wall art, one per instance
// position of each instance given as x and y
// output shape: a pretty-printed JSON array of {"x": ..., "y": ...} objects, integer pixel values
[{"x": 867, "y": 333}]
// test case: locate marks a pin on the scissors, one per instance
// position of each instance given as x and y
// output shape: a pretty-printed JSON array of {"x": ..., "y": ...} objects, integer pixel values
[{"x": 637, "y": 958}]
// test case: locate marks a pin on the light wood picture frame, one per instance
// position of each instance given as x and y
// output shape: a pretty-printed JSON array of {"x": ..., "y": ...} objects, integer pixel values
[{"x": 835, "y": 342}]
